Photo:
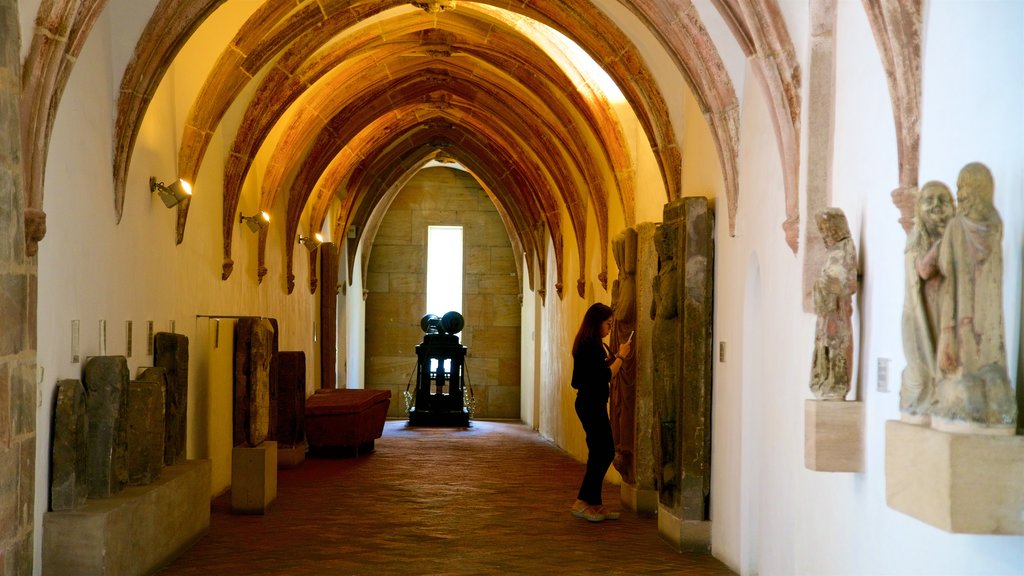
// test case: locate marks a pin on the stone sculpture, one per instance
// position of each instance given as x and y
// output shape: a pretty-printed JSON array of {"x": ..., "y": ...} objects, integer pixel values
[
  {"x": 145, "y": 428},
  {"x": 973, "y": 392},
  {"x": 832, "y": 365},
  {"x": 933, "y": 209},
  {"x": 665, "y": 342},
  {"x": 106, "y": 385},
  {"x": 170, "y": 352},
  {"x": 254, "y": 341},
  {"x": 624, "y": 322}
]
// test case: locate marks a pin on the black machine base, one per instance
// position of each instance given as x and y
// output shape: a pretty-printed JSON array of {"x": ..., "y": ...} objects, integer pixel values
[{"x": 439, "y": 418}]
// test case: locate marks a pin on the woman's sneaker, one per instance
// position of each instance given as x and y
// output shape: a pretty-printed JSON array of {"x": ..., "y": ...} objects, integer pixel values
[
  {"x": 594, "y": 513},
  {"x": 578, "y": 507}
]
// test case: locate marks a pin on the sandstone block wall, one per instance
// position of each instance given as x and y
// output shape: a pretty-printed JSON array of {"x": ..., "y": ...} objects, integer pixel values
[{"x": 396, "y": 284}]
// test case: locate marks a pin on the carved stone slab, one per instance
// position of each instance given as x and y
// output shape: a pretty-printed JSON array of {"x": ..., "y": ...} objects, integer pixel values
[
  {"x": 170, "y": 352},
  {"x": 106, "y": 384},
  {"x": 288, "y": 370},
  {"x": 145, "y": 430},
  {"x": 69, "y": 489},
  {"x": 254, "y": 339}
]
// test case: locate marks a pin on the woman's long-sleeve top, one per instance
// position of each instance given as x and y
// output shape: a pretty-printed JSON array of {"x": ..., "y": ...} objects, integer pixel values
[{"x": 591, "y": 372}]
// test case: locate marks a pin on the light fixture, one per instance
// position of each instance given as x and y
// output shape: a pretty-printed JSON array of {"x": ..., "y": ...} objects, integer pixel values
[
  {"x": 171, "y": 195},
  {"x": 313, "y": 243},
  {"x": 256, "y": 222}
]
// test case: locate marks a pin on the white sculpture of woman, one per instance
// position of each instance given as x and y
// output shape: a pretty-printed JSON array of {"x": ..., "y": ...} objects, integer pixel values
[
  {"x": 932, "y": 212},
  {"x": 832, "y": 366},
  {"x": 974, "y": 392}
]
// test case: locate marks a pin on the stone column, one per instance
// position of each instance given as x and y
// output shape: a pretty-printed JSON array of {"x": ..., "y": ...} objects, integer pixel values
[
  {"x": 18, "y": 310},
  {"x": 328, "y": 315}
]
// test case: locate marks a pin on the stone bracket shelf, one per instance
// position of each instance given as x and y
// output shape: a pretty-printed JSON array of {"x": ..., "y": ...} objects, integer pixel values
[
  {"x": 134, "y": 532},
  {"x": 961, "y": 483},
  {"x": 834, "y": 435}
]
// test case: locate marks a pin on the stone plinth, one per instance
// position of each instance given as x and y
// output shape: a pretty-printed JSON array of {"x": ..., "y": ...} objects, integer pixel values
[
  {"x": 961, "y": 483},
  {"x": 834, "y": 436},
  {"x": 291, "y": 456},
  {"x": 643, "y": 502},
  {"x": 135, "y": 531},
  {"x": 684, "y": 535},
  {"x": 253, "y": 478}
]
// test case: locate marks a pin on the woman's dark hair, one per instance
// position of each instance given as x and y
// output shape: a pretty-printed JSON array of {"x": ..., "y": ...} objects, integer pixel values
[{"x": 590, "y": 329}]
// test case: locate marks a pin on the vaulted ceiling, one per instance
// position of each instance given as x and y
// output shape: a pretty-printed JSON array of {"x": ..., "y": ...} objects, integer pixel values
[{"x": 347, "y": 99}]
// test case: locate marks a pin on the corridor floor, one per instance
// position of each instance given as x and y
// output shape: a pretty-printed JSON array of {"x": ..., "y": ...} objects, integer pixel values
[{"x": 490, "y": 499}]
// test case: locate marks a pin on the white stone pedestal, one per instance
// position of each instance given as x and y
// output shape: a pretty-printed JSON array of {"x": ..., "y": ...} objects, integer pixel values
[
  {"x": 135, "y": 531},
  {"x": 253, "y": 478},
  {"x": 643, "y": 502},
  {"x": 834, "y": 435},
  {"x": 684, "y": 535},
  {"x": 961, "y": 483}
]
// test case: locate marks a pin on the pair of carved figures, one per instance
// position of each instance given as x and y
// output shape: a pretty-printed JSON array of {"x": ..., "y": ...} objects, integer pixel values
[
  {"x": 953, "y": 334},
  {"x": 833, "y": 291}
]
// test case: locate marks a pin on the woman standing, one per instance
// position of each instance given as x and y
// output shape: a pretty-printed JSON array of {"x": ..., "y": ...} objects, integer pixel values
[{"x": 593, "y": 368}]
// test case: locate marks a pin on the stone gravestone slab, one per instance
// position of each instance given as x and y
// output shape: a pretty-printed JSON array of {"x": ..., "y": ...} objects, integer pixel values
[
  {"x": 146, "y": 429},
  {"x": 254, "y": 339},
  {"x": 288, "y": 370},
  {"x": 69, "y": 488},
  {"x": 170, "y": 352},
  {"x": 106, "y": 385}
]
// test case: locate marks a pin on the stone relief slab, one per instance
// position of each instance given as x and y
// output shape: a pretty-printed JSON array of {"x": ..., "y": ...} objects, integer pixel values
[
  {"x": 106, "y": 385},
  {"x": 69, "y": 487},
  {"x": 170, "y": 352}
]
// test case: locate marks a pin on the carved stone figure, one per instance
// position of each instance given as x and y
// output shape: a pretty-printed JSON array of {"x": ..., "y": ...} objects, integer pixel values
[
  {"x": 923, "y": 281},
  {"x": 832, "y": 366},
  {"x": 973, "y": 391},
  {"x": 623, "y": 396},
  {"x": 665, "y": 344}
]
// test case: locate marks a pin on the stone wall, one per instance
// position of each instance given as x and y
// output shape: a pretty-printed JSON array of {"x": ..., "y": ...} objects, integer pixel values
[
  {"x": 396, "y": 291},
  {"x": 17, "y": 321}
]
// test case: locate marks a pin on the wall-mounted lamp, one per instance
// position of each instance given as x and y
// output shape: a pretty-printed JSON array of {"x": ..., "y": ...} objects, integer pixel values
[
  {"x": 256, "y": 222},
  {"x": 171, "y": 195},
  {"x": 313, "y": 243}
]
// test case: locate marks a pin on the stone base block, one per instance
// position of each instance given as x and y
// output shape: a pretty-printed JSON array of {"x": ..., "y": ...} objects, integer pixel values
[
  {"x": 135, "y": 531},
  {"x": 291, "y": 456},
  {"x": 684, "y": 535},
  {"x": 961, "y": 483},
  {"x": 253, "y": 478},
  {"x": 834, "y": 436},
  {"x": 643, "y": 502}
]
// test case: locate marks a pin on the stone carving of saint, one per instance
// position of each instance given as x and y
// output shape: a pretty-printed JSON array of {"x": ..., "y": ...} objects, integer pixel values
[
  {"x": 832, "y": 366},
  {"x": 973, "y": 392},
  {"x": 932, "y": 212},
  {"x": 665, "y": 349},
  {"x": 623, "y": 397}
]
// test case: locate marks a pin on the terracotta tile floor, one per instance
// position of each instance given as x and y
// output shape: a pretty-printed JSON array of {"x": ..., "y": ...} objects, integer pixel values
[{"x": 490, "y": 499}]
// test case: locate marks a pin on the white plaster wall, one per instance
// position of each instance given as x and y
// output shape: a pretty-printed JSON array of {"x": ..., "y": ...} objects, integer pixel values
[
  {"x": 771, "y": 515},
  {"x": 91, "y": 269}
]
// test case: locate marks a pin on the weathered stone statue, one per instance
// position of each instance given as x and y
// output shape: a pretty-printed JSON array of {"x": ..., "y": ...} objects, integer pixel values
[
  {"x": 923, "y": 281},
  {"x": 665, "y": 343},
  {"x": 253, "y": 350},
  {"x": 623, "y": 396},
  {"x": 832, "y": 366},
  {"x": 68, "y": 484},
  {"x": 973, "y": 392}
]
